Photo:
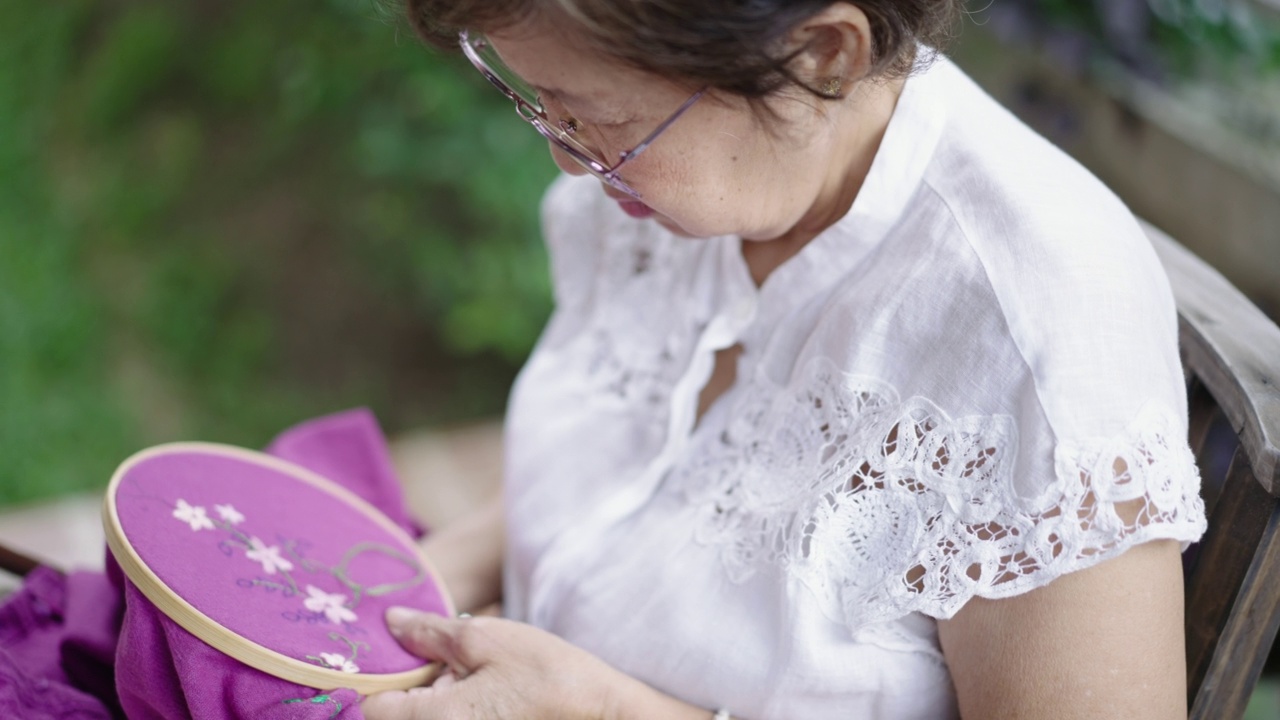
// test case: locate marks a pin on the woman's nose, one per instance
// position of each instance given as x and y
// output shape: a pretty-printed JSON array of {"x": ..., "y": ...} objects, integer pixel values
[{"x": 564, "y": 162}]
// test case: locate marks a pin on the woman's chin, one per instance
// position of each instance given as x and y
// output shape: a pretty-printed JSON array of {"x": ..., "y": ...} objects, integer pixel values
[
  {"x": 675, "y": 228},
  {"x": 640, "y": 211}
]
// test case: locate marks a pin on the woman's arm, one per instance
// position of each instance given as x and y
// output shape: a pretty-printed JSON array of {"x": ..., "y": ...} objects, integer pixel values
[
  {"x": 1105, "y": 642},
  {"x": 468, "y": 555}
]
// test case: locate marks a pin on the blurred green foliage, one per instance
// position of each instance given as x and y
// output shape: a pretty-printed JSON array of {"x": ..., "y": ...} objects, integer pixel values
[
  {"x": 1211, "y": 39},
  {"x": 221, "y": 217},
  {"x": 1217, "y": 38}
]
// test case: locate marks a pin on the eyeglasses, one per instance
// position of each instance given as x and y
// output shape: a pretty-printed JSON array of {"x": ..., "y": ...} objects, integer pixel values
[{"x": 564, "y": 132}]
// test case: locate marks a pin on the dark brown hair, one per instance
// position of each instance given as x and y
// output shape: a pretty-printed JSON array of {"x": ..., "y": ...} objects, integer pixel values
[{"x": 730, "y": 45}]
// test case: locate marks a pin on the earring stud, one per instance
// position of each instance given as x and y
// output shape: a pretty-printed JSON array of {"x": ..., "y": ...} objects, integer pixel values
[
  {"x": 569, "y": 125},
  {"x": 831, "y": 87}
]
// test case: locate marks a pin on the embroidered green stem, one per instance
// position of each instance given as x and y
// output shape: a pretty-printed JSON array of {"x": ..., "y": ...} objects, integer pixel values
[
  {"x": 353, "y": 648},
  {"x": 319, "y": 700},
  {"x": 245, "y": 541},
  {"x": 339, "y": 572},
  {"x": 291, "y": 587},
  {"x": 352, "y": 645},
  {"x": 237, "y": 535}
]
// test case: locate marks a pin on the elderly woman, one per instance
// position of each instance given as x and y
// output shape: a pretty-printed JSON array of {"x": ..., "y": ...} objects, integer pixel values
[{"x": 860, "y": 399}]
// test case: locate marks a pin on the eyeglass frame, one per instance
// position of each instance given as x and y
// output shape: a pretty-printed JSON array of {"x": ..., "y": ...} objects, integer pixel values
[{"x": 560, "y": 134}]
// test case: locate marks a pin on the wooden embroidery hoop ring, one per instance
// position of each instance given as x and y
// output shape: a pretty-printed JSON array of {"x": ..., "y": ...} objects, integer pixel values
[{"x": 229, "y": 643}]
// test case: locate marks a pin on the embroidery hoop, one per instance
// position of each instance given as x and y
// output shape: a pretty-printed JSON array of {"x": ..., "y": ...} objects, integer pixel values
[{"x": 228, "y": 642}]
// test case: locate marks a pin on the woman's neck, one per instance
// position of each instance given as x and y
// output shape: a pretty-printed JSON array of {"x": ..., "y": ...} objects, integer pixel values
[{"x": 865, "y": 118}]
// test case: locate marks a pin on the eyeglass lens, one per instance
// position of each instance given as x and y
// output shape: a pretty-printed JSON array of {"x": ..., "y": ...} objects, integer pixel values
[{"x": 530, "y": 104}]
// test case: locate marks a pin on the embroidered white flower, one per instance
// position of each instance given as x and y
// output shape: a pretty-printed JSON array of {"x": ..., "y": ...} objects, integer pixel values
[
  {"x": 192, "y": 515},
  {"x": 338, "y": 662},
  {"x": 268, "y": 555},
  {"x": 229, "y": 514},
  {"x": 331, "y": 604}
]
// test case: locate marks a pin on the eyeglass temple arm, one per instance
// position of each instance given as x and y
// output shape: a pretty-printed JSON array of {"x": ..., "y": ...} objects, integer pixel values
[{"x": 644, "y": 144}]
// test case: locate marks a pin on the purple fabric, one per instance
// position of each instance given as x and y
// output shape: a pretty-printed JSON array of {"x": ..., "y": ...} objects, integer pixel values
[
  {"x": 56, "y": 647},
  {"x": 349, "y": 448},
  {"x": 89, "y": 645}
]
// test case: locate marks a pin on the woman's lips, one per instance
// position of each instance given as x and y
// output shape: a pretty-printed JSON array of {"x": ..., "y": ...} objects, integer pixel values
[{"x": 635, "y": 208}]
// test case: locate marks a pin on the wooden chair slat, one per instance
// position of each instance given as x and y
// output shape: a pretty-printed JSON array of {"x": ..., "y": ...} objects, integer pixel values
[
  {"x": 1233, "y": 348},
  {"x": 1202, "y": 409},
  {"x": 1231, "y": 352},
  {"x": 1222, "y": 565},
  {"x": 16, "y": 563},
  {"x": 1203, "y": 415},
  {"x": 1243, "y": 645}
]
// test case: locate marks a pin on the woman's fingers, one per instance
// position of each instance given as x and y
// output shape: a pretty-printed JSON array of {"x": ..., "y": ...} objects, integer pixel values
[
  {"x": 419, "y": 703},
  {"x": 445, "y": 679},
  {"x": 431, "y": 636},
  {"x": 424, "y": 634},
  {"x": 415, "y": 704}
]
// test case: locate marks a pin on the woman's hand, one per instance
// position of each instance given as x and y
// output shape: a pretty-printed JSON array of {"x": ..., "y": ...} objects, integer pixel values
[{"x": 496, "y": 669}]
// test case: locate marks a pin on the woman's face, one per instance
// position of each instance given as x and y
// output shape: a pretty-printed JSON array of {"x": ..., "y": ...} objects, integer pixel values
[{"x": 718, "y": 170}]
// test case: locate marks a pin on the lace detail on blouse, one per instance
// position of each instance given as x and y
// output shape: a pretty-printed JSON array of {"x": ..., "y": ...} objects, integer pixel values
[{"x": 883, "y": 506}]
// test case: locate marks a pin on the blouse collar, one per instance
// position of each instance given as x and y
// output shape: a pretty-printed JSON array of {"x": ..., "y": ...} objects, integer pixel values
[{"x": 896, "y": 173}]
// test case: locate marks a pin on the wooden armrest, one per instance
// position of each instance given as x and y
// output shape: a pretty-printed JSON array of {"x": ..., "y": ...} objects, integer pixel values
[{"x": 1235, "y": 351}]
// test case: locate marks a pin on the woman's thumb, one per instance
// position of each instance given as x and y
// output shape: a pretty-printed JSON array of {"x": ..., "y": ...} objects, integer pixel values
[{"x": 427, "y": 635}]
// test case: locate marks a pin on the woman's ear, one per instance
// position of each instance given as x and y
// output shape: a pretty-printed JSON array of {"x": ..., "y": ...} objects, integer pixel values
[{"x": 834, "y": 49}]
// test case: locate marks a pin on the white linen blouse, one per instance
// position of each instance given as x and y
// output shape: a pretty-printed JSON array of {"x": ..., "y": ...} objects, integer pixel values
[{"x": 968, "y": 386}]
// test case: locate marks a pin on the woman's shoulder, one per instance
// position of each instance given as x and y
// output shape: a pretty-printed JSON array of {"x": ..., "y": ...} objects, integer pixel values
[
  {"x": 1069, "y": 266},
  {"x": 577, "y": 228},
  {"x": 1015, "y": 192},
  {"x": 570, "y": 210},
  {"x": 1014, "y": 257},
  {"x": 579, "y": 219},
  {"x": 569, "y": 195},
  {"x": 1012, "y": 191}
]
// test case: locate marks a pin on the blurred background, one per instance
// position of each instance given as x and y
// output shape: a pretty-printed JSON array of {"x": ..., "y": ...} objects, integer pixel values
[
  {"x": 218, "y": 218},
  {"x": 221, "y": 217}
]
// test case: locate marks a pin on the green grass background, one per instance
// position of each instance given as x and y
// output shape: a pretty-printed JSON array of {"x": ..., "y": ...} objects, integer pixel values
[{"x": 221, "y": 217}]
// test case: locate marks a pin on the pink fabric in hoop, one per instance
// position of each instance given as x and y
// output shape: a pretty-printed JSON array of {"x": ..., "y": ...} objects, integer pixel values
[
  {"x": 275, "y": 565},
  {"x": 63, "y": 636}
]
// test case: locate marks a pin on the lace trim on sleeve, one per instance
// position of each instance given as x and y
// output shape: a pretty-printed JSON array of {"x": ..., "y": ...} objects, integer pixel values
[{"x": 883, "y": 507}]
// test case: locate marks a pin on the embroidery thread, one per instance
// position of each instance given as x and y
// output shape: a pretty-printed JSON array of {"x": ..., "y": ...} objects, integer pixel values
[
  {"x": 319, "y": 700},
  {"x": 332, "y": 605},
  {"x": 279, "y": 561},
  {"x": 193, "y": 515},
  {"x": 338, "y": 661}
]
